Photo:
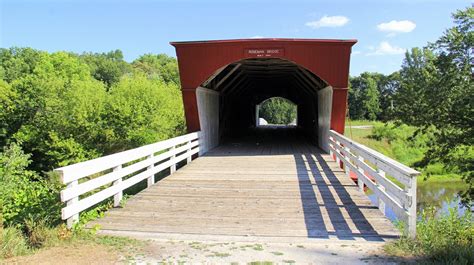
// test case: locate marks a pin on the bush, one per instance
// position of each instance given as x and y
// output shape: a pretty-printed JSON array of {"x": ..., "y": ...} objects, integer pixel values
[
  {"x": 407, "y": 147},
  {"x": 24, "y": 194},
  {"x": 446, "y": 239}
]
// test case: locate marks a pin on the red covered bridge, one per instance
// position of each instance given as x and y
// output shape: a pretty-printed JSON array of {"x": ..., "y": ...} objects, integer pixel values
[
  {"x": 249, "y": 182},
  {"x": 223, "y": 81}
]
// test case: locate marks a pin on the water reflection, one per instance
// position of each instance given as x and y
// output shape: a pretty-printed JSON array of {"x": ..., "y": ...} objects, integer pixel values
[{"x": 441, "y": 196}]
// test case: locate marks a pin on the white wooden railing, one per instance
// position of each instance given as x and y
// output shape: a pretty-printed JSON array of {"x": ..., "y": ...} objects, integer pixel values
[
  {"x": 91, "y": 182},
  {"x": 371, "y": 168}
]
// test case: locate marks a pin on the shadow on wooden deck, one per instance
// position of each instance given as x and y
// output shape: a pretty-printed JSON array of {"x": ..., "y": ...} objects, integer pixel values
[{"x": 276, "y": 187}]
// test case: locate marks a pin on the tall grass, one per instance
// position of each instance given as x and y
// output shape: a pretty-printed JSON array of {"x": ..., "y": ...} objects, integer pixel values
[
  {"x": 12, "y": 243},
  {"x": 446, "y": 239}
]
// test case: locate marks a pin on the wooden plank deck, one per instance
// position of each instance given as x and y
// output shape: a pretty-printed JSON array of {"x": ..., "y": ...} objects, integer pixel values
[{"x": 278, "y": 190}]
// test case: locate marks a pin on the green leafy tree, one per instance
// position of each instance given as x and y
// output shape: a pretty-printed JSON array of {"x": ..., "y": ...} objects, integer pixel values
[
  {"x": 142, "y": 110},
  {"x": 107, "y": 67},
  {"x": 364, "y": 97},
  {"x": 436, "y": 94},
  {"x": 278, "y": 111},
  {"x": 56, "y": 101},
  {"x": 388, "y": 86},
  {"x": 371, "y": 99},
  {"x": 159, "y": 66}
]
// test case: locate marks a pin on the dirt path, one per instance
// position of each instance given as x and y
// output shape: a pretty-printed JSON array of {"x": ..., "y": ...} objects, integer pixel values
[
  {"x": 70, "y": 254},
  {"x": 189, "y": 252}
]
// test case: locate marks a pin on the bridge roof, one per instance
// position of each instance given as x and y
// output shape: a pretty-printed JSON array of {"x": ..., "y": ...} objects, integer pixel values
[
  {"x": 259, "y": 40},
  {"x": 326, "y": 58}
]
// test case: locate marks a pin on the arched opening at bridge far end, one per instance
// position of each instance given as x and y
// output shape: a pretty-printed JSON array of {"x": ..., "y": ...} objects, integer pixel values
[
  {"x": 276, "y": 112},
  {"x": 227, "y": 101}
]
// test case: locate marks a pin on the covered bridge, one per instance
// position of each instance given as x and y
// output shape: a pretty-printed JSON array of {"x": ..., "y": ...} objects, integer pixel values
[
  {"x": 227, "y": 178},
  {"x": 223, "y": 81}
]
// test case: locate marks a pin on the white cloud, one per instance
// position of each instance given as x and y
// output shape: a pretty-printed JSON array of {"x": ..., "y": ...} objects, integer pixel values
[
  {"x": 326, "y": 21},
  {"x": 257, "y": 37},
  {"x": 394, "y": 26},
  {"x": 356, "y": 52},
  {"x": 386, "y": 48}
]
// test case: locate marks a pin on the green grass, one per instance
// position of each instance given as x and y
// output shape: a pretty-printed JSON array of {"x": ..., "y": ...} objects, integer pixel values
[
  {"x": 38, "y": 236},
  {"x": 13, "y": 243},
  {"x": 393, "y": 142},
  {"x": 361, "y": 122},
  {"x": 447, "y": 239}
]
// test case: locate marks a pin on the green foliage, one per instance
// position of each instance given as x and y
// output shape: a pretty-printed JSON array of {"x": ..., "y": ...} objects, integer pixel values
[
  {"x": 24, "y": 194},
  {"x": 447, "y": 239},
  {"x": 141, "y": 111},
  {"x": 433, "y": 92},
  {"x": 159, "y": 66},
  {"x": 64, "y": 115},
  {"x": 60, "y": 108},
  {"x": 436, "y": 93},
  {"x": 278, "y": 111},
  {"x": 12, "y": 243},
  {"x": 107, "y": 67},
  {"x": 370, "y": 96},
  {"x": 400, "y": 143},
  {"x": 404, "y": 147}
]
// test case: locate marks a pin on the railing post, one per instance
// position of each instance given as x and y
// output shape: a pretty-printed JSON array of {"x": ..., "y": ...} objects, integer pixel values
[
  {"x": 173, "y": 166},
  {"x": 151, "y": 179},
  {"x": 188, "y": 160},
  {"x": 75, "y": 218},
  {"x": 331, "y": 153},
  {"x": 346, "y": 167},
  {"x": 118, "y": 196},
  {"x": 381, "y": 203},
  {"x": 359, "y": 180},
  {"x": 338, "y": 161},
  {"x": 412, "y": 208}
]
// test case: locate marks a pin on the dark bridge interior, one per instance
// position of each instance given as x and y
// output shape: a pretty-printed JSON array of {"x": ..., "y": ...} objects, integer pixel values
[{"x": 244, "y": 84}]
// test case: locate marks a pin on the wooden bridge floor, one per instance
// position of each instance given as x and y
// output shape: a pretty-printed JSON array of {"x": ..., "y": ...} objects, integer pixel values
[{"x": 253, "y": 189}]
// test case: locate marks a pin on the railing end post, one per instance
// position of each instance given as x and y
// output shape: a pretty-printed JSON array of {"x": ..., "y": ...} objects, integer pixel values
[
  {"x": 412, "y": 209},
  {"x": 72, "y": 220}
]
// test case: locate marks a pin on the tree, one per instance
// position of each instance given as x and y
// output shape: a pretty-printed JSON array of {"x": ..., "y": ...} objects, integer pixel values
[
  {"x": 371, "y": 99},
  {"x": 278, "y": 110},
  {"x": 142, "y": 110},
  {"x": 107, "y": 67},
  {"x": 437, "y": 94},
  {"x": 364, "y": 97},
  {"x": 158, "y": 66}
]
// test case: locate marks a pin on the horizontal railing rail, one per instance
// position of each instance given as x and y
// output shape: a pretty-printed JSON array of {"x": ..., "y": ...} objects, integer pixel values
[
  {"x": 371, "y": 168},
  {"x": 91, "y": 182}
]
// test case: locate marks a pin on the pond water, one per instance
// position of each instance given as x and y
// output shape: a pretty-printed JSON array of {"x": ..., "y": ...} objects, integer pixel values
[{"x": 440, "y": 195}]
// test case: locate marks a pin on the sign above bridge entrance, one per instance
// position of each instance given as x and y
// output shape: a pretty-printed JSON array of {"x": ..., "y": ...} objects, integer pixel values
[{"x": 264, "y": 52}]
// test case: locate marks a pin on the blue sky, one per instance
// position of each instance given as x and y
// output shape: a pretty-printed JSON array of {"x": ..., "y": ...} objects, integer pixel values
[{"x": 384, "y": 29}]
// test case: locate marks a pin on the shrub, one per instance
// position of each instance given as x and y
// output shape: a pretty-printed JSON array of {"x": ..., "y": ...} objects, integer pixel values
[
  {"x": 36, "y": 232},
  {"x": 25, "y": 195},
  {"x": 446, "y": 239}
]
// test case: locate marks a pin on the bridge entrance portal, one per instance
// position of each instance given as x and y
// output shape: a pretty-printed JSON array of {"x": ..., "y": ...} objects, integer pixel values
[{"x": 223, "y": 82}]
